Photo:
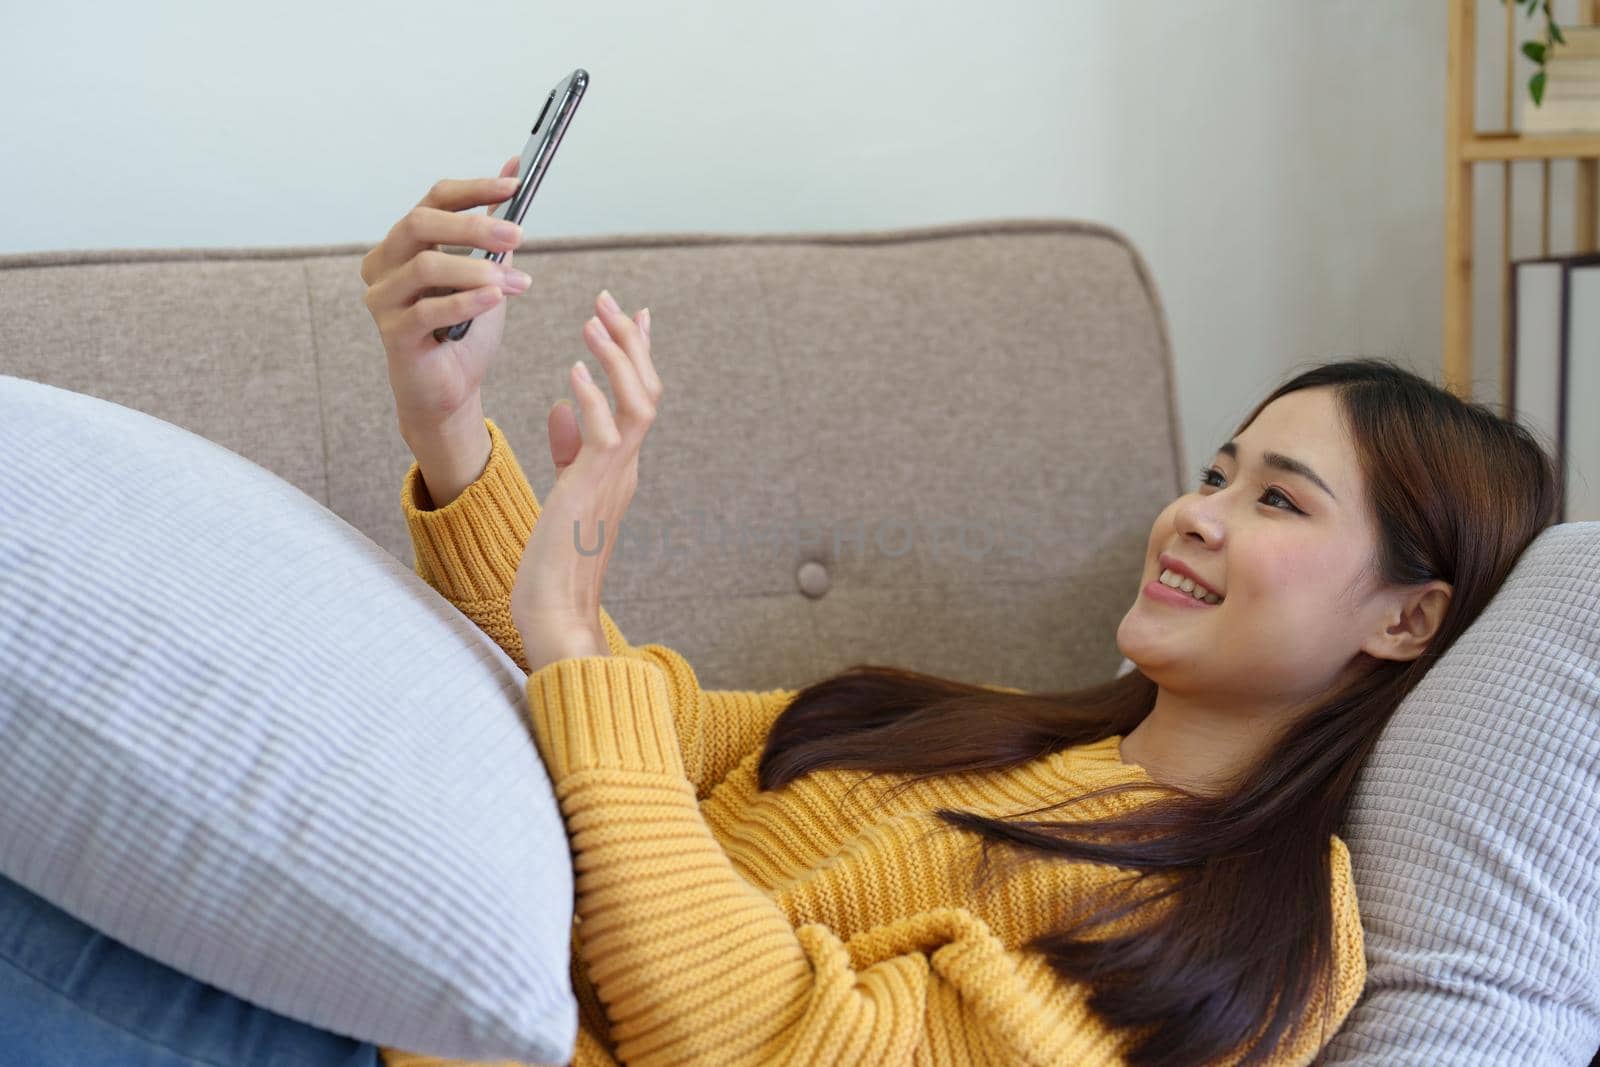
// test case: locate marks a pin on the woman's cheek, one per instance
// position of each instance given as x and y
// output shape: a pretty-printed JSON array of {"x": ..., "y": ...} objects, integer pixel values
[{"x": 1282, "y": 598}]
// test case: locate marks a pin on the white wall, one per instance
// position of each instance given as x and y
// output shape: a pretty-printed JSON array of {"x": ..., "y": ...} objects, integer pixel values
[{"x": 1279, "y": 163}]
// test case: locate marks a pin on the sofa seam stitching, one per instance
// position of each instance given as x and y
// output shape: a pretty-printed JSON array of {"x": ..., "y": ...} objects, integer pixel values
[{"x": 316, "y": 369}]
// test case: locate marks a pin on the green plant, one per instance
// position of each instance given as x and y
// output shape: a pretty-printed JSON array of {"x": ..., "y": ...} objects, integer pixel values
[{"x": 1539, "y": 51}]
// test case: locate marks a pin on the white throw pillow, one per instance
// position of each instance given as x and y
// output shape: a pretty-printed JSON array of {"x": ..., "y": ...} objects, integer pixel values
[
  {"x": 1475, "y": 836},
  {"x": 241, "y": 738}
]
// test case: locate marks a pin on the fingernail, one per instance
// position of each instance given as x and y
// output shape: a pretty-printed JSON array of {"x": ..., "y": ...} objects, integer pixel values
[
  {"x": 607, "y": 302},
  {"x": 644, "y": 321},
  {"x": 507, "y": 231},
  {"x": 583, "y": 371}
]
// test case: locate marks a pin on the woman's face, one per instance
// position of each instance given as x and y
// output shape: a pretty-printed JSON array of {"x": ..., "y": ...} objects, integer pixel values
[{"x": 1288, "y": 556}]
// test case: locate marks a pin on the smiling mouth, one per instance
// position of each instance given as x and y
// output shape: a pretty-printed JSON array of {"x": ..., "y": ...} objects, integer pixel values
[{"x": 1205, "y": 598}]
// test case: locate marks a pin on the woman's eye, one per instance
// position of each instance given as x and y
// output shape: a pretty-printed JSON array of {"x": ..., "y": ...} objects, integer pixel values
[
  {"x": 1267, "y": 491},
  {"x": 1274, "y": 492}
]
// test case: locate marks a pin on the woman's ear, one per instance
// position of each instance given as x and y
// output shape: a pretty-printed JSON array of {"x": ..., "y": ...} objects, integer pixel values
[{"x": 1413, "y": 624}]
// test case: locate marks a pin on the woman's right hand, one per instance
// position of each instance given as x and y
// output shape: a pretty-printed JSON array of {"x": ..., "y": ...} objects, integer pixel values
[{"x": 415, "y": 291}]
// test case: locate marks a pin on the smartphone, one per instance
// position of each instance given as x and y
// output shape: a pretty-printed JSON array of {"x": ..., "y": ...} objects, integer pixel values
[{"x": 543, "y": 140}]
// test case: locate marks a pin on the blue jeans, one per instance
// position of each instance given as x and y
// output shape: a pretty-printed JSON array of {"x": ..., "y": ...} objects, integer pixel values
[{"x": 72, "y": 997}]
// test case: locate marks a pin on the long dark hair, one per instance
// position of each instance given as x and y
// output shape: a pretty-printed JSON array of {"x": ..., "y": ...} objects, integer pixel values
[{"x": 1246, "y": 935}]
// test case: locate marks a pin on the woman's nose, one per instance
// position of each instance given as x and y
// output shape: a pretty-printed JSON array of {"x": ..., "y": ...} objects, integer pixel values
[{"x": 1197, "y": 515}]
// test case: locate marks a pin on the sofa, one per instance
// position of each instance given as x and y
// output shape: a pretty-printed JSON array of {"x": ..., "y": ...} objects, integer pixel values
[{"x": 940, "y": 448}]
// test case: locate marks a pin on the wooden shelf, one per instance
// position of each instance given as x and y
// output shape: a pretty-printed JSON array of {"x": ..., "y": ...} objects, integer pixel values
[
  {"x": 1496, "y": 146},
  {"x": 1468, "y": 148}
]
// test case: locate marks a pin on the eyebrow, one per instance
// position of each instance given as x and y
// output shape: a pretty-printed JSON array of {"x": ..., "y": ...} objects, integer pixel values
[{"x": 1282, "y": 463}]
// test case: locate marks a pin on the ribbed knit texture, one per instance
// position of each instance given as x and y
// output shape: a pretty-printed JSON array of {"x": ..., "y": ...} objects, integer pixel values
[{"x": 814, "y": 924}]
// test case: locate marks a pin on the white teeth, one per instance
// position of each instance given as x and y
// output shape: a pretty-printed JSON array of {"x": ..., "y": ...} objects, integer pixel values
[{"x": 1174, "y": 580}]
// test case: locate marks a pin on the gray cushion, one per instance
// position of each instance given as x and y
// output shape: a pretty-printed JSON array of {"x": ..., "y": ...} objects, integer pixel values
[
  {"x": 1475, "y": 837},
  {"x": 239, "y": 737}
]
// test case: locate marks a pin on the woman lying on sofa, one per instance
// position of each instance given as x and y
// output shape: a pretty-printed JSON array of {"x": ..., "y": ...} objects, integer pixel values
[{"x": 1184, "y": 897}]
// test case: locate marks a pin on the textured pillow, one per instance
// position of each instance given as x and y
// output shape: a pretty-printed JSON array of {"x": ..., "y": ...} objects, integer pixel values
[
  {"x": 241, "y": 738},
  {"x": 1475, "y": 837},
  {"x": 72, "y": 997}
]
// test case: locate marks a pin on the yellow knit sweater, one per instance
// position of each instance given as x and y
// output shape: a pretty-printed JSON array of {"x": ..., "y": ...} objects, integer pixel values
[{"x": 717, "y": 924}]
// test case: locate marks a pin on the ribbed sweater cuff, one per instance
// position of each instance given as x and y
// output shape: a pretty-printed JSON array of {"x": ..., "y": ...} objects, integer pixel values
[
  {"x": 603, "y": 712},
  {"x": 470, "y": 549}
]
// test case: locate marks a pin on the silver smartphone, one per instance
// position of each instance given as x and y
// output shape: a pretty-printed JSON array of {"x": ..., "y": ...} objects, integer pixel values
[{"x": 543, "y": 140}]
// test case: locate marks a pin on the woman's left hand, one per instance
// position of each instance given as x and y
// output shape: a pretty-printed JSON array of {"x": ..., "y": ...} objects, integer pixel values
[{"x": 555, "y": 604}]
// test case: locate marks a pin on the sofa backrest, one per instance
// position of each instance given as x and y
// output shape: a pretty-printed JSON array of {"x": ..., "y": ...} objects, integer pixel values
[{"x": 939, "y": 448}]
